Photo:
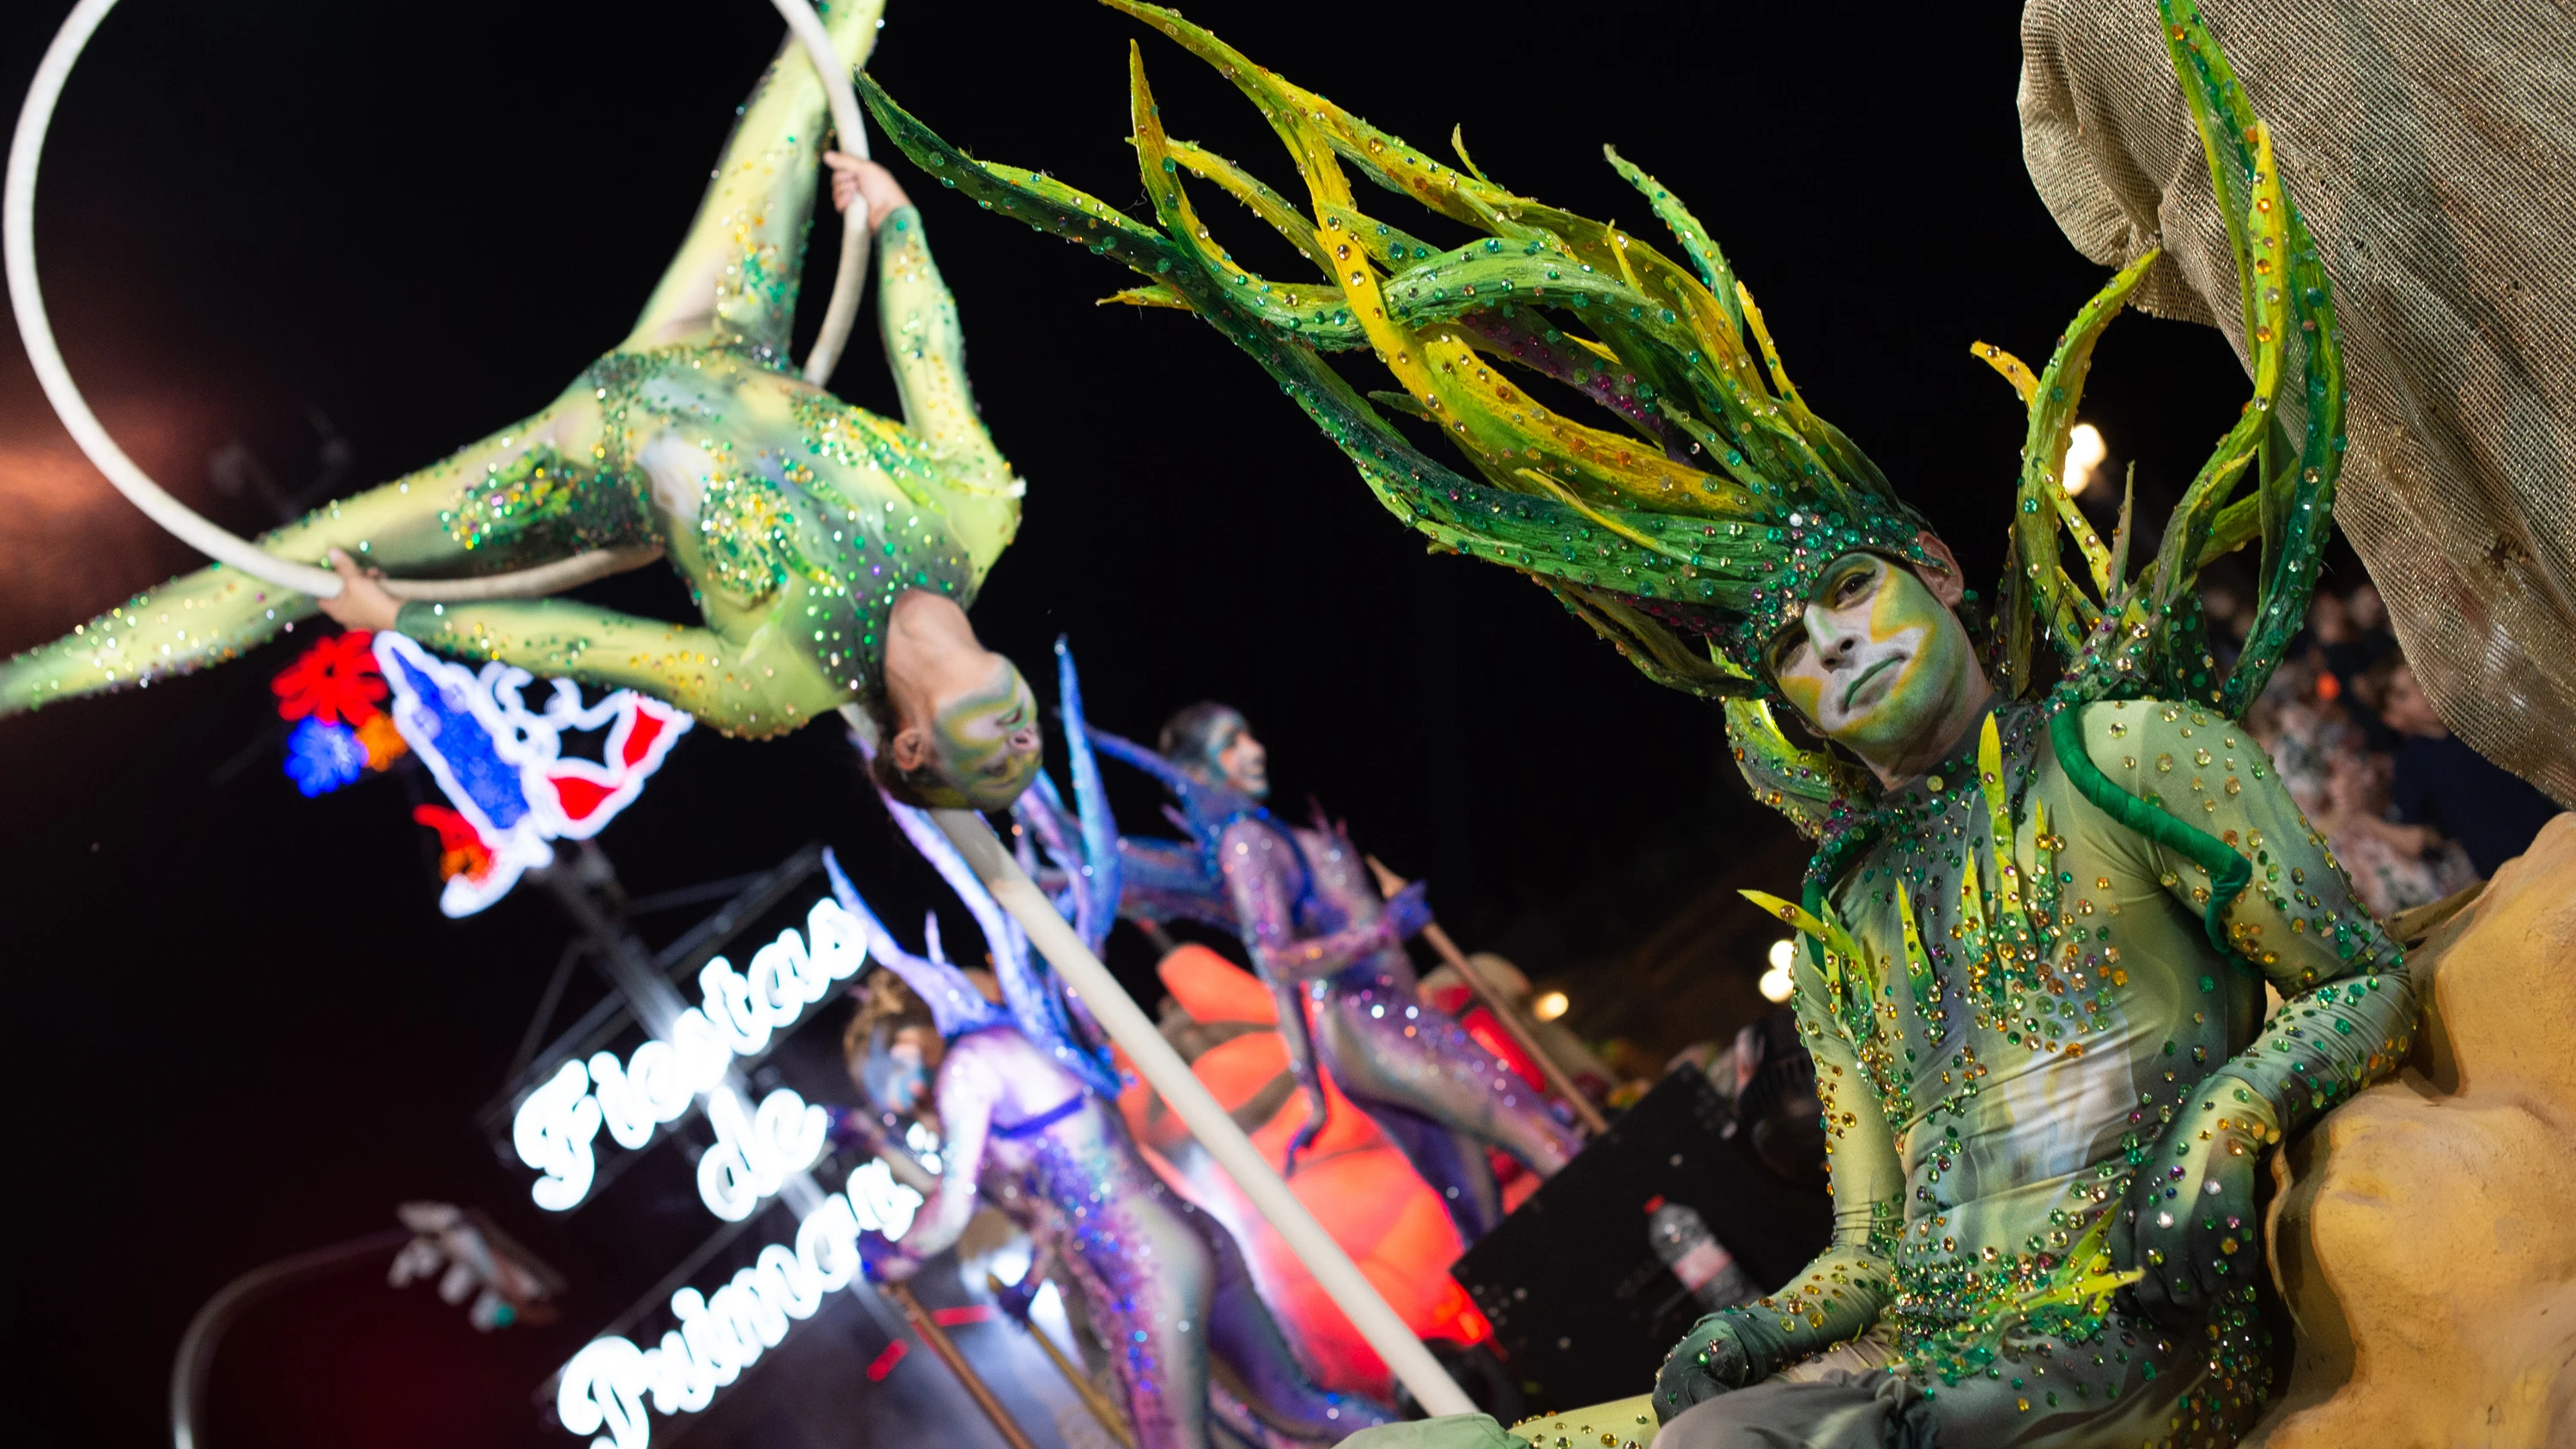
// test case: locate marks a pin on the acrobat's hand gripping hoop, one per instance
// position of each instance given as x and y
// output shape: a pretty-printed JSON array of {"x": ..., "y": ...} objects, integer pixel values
[{"x": 18, "y": 248}]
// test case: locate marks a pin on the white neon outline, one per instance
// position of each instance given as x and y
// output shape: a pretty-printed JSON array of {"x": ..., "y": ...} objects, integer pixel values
[
  {"x": 531, "y": 743},
  {"x": 721, "y": 1334}
]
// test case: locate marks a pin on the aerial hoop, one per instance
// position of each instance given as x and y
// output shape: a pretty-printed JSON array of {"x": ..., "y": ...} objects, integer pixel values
[{"x": 36, "y": 330}]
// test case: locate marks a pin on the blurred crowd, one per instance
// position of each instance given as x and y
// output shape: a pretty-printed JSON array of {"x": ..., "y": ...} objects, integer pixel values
[{"x": 2411, "y": 811}]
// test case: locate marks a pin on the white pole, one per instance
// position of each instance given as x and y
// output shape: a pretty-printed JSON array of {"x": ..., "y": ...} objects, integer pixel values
[{"x": 1168, "y": 1075}]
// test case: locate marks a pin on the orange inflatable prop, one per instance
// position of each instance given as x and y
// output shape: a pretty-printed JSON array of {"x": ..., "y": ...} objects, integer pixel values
[{"x": 1352, "y": 1178}]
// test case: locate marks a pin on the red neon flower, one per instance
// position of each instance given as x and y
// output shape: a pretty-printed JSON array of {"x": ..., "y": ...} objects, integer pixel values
[
  {"x": 335, "y": 681},
  {"x": 461, "y": 850}
]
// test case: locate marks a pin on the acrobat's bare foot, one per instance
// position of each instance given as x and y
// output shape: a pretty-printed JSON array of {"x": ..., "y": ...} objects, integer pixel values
[{"x": 857, "y": 176}]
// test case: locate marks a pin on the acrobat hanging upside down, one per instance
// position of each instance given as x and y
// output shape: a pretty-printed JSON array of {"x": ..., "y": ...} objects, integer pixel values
[{"x": 831, "y": 551}]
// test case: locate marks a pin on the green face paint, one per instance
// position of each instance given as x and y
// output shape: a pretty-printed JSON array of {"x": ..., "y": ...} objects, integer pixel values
[
  {"x": 1877, "y": 659},
  {"x": 987, "y": 739}
]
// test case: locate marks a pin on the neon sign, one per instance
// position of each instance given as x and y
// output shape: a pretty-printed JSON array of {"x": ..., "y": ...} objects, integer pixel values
[
  {"x": 331, "y": 692},
  {"x": 721, "y": 1334},
  {"x": 757, "y": 1148},
  {"x": 606, "y": 1386},
  {"x": 502, "y": 765}
]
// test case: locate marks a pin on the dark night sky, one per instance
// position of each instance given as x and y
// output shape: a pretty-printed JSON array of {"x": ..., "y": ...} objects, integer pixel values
[{"x": 251, "y": 1030}]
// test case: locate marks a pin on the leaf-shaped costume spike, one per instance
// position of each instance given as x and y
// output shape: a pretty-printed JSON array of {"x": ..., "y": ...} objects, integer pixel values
[
  {"x": 1698, "y": 520},
  {"x": 1691, "y": 529},
  {"x": 2148, "y": 638},
  {"x": 1081, "y": 844}
]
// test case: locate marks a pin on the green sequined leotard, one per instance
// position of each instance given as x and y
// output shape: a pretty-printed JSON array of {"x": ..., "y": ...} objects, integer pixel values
[
  {"x": 2000, "y": 1054},
  {"x": 795, "y": 517}
]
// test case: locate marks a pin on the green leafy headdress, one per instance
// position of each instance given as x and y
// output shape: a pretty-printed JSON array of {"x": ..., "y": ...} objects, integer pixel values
[{"x": 1692, "y": 529}]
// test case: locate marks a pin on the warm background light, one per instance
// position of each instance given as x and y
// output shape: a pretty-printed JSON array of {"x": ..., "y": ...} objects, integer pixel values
[
  {"x": 2085, "y": 452},
  {"x": 1550, "y": 1005},
  {"x": 1776, "y": 984}
]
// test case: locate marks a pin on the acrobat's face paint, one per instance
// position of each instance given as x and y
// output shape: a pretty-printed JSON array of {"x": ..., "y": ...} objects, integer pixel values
[
  {"x": 988, "y": 745},
  {"x": 1876, "y": 659}
]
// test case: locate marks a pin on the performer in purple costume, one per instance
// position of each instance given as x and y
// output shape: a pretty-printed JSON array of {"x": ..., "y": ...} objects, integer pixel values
[
  {"x": 1165, "y": 1285},
  {"x": 1315, "y": 925}
]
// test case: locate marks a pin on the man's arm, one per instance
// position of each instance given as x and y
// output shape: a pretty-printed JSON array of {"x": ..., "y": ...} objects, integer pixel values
[
  {"x": 1842, "y": 1292},
  {"x": 2348, "y": 1007}
]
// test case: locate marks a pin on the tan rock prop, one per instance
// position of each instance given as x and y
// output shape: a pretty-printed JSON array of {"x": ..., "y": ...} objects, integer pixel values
[{"x": 2425, "y": 1236}]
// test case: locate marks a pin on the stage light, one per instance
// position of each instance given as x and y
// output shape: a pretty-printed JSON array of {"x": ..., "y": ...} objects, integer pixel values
[
  {"x": 1776, "y": 983},
  {"x": 2085, "y": 453},
  {"x": 1550, "y": 1005}
]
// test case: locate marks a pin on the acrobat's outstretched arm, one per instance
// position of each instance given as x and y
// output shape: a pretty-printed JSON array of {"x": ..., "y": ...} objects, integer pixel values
[
  {"x": 763, "y": 687},
  {"x": 926, "y": 348}
]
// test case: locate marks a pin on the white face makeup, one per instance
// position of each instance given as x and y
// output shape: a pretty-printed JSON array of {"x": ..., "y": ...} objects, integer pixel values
[{"x": 1877, "y": 662}]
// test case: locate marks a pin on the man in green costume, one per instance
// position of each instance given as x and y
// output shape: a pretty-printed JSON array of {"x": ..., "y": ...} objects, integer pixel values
[
  {"x": 2045, "y": 905},
  {"x": 831, "y": 551}
]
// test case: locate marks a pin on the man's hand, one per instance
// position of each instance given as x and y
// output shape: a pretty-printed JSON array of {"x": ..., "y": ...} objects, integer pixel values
[
  {"x": 856, "y": 176},
  {"x": 362, "y": 602},
  {"x": 1710, "y": 1362},
  {"x": 2195, "y": 1233}
]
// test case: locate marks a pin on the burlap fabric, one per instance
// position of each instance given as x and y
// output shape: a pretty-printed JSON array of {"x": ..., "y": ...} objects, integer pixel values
[{"x": 2432, "y": 148}]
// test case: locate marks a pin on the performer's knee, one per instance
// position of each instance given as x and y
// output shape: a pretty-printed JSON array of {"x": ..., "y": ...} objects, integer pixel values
[
  {"x": 1841, "y": 1411},
  {"x": 1448, "y": 1431}
]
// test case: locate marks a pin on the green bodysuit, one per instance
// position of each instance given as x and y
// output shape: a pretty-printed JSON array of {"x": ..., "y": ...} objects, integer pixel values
[
  {"x": 1997, "y": 1070},
  {"x": 795, "y": 517}
]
